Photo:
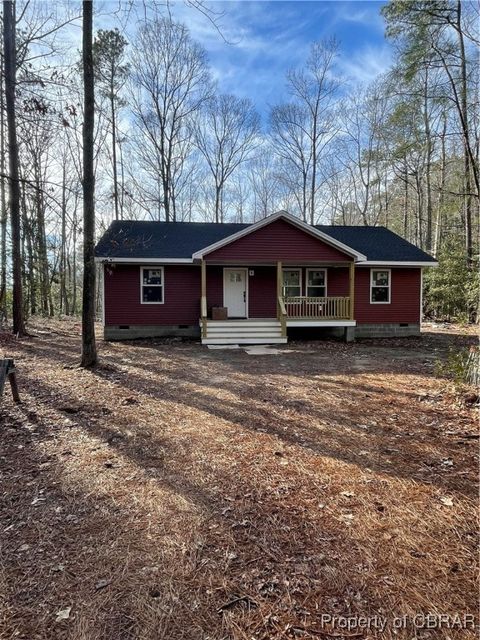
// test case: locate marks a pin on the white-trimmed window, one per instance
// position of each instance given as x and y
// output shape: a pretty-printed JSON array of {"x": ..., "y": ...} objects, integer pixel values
[
  {"x": 152, "y": 283},
  {"x": 380, "y": 286},
  {"x": 317, "y": 283},
  {"x": 292, "y": 282}
]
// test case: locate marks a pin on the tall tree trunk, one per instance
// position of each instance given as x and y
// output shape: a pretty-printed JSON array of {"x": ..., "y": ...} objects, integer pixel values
[
  {"x": 468, "y": 160},
  {"x": 74, "y": 262},
  {"x": 441, "y": 195},
  {"x": 114, "y": 147},
  {"x": 9, "y": 52},
  {"x": 122, "y": 173},
  {"x": 419, "y": 218},
  {"x": 4, "y": 211},
  {"x": 428, "y": 165},
  {"x": 405, "y": 207},
  {"x": 89, "y": 349},
  {"x": 217, "y": 203},
  {"x": 304, "y": 196},
  {"x": 42, "y": 245},
  {"x": 28, "y": 258},
  {"x": 387, "y": 203},
  {"x": 313, "y": 185},
  {"x": 63, "y": 249}
]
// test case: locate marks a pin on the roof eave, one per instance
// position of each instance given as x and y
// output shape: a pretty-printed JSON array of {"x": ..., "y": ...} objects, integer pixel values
[
  {"x": 398, "y": 263},
  {"x": 137, "y": 260}
]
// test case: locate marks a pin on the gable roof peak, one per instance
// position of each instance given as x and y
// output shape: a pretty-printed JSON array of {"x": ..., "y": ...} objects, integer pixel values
[{"x": 293, "y": 220}]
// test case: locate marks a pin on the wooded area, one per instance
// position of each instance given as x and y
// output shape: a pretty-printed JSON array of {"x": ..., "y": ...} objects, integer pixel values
[{"x": 141, "y": 118}]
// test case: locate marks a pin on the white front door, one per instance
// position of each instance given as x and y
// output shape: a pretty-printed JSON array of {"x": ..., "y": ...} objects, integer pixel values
[{"x": 235, "y": 292}]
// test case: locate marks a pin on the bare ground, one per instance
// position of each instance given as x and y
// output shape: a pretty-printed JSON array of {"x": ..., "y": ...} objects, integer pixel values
[{"x": 180, "y": 493}]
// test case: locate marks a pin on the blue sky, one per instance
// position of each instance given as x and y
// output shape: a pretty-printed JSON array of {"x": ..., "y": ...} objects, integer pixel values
[{"x": 266, "y": 38}]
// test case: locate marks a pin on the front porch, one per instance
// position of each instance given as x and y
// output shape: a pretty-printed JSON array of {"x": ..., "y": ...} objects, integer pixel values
[{"x": 278, "y": 282}]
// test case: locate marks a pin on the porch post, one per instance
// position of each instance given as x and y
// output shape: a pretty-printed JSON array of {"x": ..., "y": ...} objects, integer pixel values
[
  {"x": 281, "y": 314},
  {"x": 352, "y": 289},
  {"x": 279, "y": 280},
  {"x": 203, "y": 300}
]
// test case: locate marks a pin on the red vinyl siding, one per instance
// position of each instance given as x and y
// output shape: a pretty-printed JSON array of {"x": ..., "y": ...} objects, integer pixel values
[
  {"x": 214, "y": 287},
  {"x": 262, "y": 293},
  {"x": 404, "y": 297},
  {"x": 122, "y": 297},
  {"x": 182, "y": 294},
  {"x": 338, "y": 282},
  {"x": 278, "y": 240}
]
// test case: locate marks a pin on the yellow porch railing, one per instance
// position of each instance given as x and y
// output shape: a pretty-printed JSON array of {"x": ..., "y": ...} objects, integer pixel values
[
  {"x": 282, "y": 315},
  {"x": 307, "y": 307}
]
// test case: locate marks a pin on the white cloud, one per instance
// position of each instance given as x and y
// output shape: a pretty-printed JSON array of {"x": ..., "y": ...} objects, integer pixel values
[{"x": 366, "y": 64}]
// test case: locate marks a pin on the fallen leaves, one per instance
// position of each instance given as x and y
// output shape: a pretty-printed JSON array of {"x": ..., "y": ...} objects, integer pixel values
[
  {"x": 235, "y": 508},
  {"x": 63, "y": 614},
  {"x": 447, "y": 501},
  {"x": 101, "y": 584}
]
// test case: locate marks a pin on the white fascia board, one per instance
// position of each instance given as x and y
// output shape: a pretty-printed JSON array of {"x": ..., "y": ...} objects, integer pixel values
[
  {"x": 198, "y": 255},
  {"x": 399, "y": 263},
  {"x": 107, "y": 260}
]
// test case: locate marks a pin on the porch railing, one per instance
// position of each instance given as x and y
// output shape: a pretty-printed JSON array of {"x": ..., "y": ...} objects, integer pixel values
[
  {"x": 282, "y": 315},
  {"x": 307, "y": 307},
  {"x": 203, "y": 315}
]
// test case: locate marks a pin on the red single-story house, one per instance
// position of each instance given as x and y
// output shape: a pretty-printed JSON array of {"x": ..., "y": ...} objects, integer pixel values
[{"x": 255, "y": 283}]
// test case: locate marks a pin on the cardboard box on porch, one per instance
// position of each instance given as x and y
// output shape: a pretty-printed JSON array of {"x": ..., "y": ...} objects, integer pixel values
[{"x": 219, "y": 313}]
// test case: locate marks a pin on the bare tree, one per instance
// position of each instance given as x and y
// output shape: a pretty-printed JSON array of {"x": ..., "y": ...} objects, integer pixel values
[
  {"x": 364, "y": 118},
  {"x": 226, "y": 133},
  {"x": 9, "y": 52},
  {"x": 315, "y": 87},
  {"x": 304, "y": 128},
  {"x": 290, "y": 140},
  {"x": 111, "y": 73},
  {"x": 264, "y": 184},
  {"x": 89, "y": 349},
  {"x": 3, "y": 205},
  {"x": 170, "y": 83}
]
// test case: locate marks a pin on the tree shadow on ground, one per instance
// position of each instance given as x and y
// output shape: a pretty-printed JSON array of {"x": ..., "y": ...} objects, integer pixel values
[
  {"x": 258, "y": 540},
  {"x": 232, "y": 472}
]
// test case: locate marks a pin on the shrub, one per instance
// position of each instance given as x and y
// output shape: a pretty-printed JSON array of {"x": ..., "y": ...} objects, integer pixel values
[
  {"x": 463, "y": 367},
  {"x": 452, "y": 289}
]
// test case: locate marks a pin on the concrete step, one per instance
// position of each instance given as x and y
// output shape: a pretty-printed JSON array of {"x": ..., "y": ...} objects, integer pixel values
[
  {"x": 244, "y": 340},
  {"x": 243, "y": 323},
  {"x": 240, "y": 330},
  {"x": 248, "y": 331}
]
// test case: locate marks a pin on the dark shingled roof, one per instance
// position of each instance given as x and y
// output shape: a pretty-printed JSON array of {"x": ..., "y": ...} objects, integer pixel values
[
  {"x": 140, "y": 239},
  {"x": 144, "y": 240},
  {"x": 377, "y": 243}
]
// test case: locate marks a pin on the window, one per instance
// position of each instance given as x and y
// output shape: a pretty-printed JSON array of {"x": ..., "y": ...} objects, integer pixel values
[
  {"x": 151, "y": 284},
  {"x": 380, "y": 286},
  {"x": 316, "y": 283},
  {"x": 292, "y": 283}
]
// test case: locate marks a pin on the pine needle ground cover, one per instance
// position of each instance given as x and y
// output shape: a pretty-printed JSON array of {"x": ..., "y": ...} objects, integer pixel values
[{"x": 180, "y": 493}]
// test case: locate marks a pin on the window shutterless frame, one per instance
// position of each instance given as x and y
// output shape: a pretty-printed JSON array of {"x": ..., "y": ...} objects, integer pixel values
[
  {"x": 324, "y": 285},
  {"x": 160, "y": 286},
  {"x": 284, "y": 286},
  {"x": 376, "y": 286}
]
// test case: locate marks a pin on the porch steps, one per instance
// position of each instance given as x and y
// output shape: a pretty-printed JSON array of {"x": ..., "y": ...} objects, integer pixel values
[{"x": 244, "y": 332}]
